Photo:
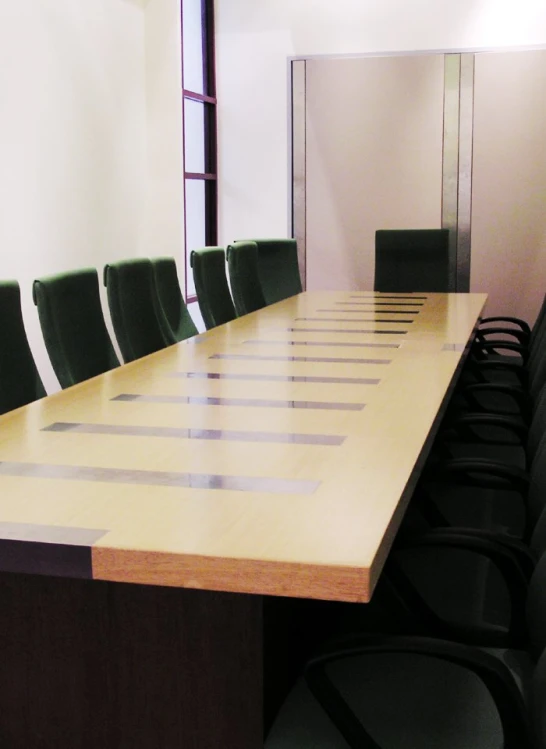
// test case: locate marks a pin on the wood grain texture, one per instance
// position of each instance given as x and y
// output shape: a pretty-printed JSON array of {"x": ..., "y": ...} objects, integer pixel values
[
  {"x": 89, "y": 665},
  {"x": 328, "y": 544}
]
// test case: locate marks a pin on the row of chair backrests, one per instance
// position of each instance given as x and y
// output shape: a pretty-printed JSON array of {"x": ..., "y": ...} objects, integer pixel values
[
  {"x": 261, "y": 272},
  {"x": 147, "y": 309}
]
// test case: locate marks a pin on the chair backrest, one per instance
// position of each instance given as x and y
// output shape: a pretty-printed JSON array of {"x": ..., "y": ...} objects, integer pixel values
[
  {"x": 537, "y": 703},
  {"x": 244, "y": 278},
  {"x": 170, "y": 297},
  {"x": 20, "y": 382},
  {"x": 135, "y": 308},
  {"x": 412, "y": 260},
  {"x": 213, "y": 295},
  {"x": 73, "y": 326},
  {"x": 278, "y": 268}
]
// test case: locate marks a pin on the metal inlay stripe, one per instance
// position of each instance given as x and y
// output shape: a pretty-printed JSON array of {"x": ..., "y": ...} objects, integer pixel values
[
  {"x": 277, "y": 378},
  {"x": 453, "y": 347},
  {"x": 345, "y": 330},
  {"x": 253, "y": 357},
  {"x": 355, "y": 319},
  {"x": 250, "y": 402},
  {"x": 384, "y": 304},
  {"x": 47, "y": 549},
  {"x": 323, "y": 343},
  {"x": 50, "y": 534},
  {"x": 369, "y": 311},
  {"x": 387, "y": 296},
  {"x": 128, "y": 430},
  {"x": 159, "y": 478}
]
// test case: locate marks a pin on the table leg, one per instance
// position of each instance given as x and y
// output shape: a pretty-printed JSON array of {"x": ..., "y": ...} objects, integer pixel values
[{"x": 99, "y": 665}]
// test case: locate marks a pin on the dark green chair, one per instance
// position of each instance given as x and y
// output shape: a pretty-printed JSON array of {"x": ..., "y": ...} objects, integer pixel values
[
  {"x": 136, "y": 314},
  {"x": 213, "y": 295},
  {"x": 378, "y": 691},
  {"x": 73, "y": 326},
  {"x": 278, "y": 268},
  {"x": 167, "y": 286},
  {"x": 20, "y": 382},
  {"x": 244, "y": 278},
  {"x": 412, "y": 260}
]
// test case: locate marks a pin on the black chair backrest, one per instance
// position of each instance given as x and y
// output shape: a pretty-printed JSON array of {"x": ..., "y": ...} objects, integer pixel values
[
  {"x": 278, "y": 268},
  {"x": 20, "y": 382},
  {"x": 412, "y": 260},
  {"x": 247, "y": 292},
  {"x": 73, "y": 326},
  {"x": 213, "y": 295},
  {"x": 170, "y": 297},
  {"x": 135, "y": 308}
]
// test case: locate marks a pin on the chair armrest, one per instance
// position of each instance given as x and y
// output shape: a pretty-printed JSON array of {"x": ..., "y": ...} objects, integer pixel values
[
  {"x": 520, "y": 335},
  {"x": 474, "y": 472},
  {"x": 522, "y": 324},
  {"x": 519, "y": 396},
  {"x": 464, "y": 424},
  {"x": 500, "y": 555},
  {"x": 494, "y": 675}
]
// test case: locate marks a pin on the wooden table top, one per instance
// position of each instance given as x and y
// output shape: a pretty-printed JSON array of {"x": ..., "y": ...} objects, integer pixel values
[{"x": 271, "y": 455}]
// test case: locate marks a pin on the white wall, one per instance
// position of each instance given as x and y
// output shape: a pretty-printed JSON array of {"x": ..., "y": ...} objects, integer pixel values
[
  {"x": 164, "y": 223},
  {"x": 72, "y": 141},
  {"x": 254, "y": 41}
]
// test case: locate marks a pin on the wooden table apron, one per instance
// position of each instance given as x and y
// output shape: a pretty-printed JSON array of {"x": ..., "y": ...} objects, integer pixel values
[{"x": 144, "y": 513}]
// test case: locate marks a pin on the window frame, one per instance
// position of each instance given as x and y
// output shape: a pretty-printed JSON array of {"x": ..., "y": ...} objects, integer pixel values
[{"x": 209, "y": 101}]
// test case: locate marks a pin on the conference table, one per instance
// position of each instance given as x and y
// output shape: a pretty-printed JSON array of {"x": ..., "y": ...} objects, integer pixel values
[{"x": 145, "y": 513}]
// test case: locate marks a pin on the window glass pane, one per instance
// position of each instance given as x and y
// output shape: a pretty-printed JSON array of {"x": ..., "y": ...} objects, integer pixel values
[
  {"x": 195, "y": 224},
  {"x": 192, "y": 45},
  {"x": 194, "y": 136}
]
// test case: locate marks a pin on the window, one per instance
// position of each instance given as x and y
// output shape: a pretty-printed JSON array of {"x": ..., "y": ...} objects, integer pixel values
[{"x": 199, "y": 117}]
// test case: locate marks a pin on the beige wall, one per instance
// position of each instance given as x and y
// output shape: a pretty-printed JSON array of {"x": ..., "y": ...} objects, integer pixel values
[
  {"x": 72, "y": 140},
  {"x": 374, "y": 129}
]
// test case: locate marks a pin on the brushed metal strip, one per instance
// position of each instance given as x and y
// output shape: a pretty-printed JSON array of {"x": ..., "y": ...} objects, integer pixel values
[
  {"x": 454, "y": 347},
  {"x": 369, "y": 311},
  {"x": 159, "y": 478},
  {"x": 466, "y": 125},
  {"x": 450, "y": 160},
  {"x": 373, "y": 331},
  {"x": 384, "y": 304},
  {"x": 357, "y": 319},
  {"x": 277, "y": 378},
  {"x": 32, "y": 549},
  {"x": 258, "y": 342},
  {"x": 130, "y": 430},
  {"x": 299, "y": 167},
  {"x": 317, "y": 359},
  {"x": 386, "y": 296},
  {"x": 50, "y": 534},
  {"x": 250, "y": 402}
]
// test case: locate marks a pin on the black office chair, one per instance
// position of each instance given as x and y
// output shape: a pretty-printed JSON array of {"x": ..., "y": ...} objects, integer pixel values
[
  {"x": 137, "y": 316},
  {"x": 278, "y": 268},
  {"x": 73, "y": 326},
  {"x": 242, "y": 258},
  {"x": 20, "y": 382},
  {"x": 412, "y": 260},
  {"x": 213, "y": 295},
  {"x": 381, "y": 691},
  {"x": 170, "y": 297}
]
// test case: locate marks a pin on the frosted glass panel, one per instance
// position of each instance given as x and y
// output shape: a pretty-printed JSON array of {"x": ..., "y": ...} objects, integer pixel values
[
  {"x": 194, "y": 136},
  {"x": 195, "y": 224},
  {"x": 192, "y": 45}
]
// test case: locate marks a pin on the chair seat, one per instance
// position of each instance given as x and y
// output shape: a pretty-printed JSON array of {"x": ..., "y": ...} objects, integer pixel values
[{"x": 405, "y": 701}]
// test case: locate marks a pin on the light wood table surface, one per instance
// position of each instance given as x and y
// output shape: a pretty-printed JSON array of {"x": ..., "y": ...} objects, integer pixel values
[{"x": 273, "y": 455}]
